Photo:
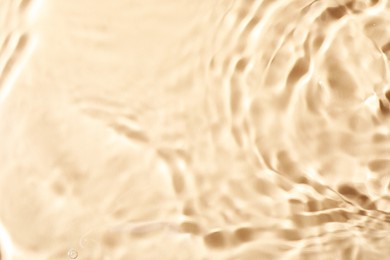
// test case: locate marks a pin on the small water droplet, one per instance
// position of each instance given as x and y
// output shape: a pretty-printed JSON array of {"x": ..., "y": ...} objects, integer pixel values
[{"x": 72, "y": 254}]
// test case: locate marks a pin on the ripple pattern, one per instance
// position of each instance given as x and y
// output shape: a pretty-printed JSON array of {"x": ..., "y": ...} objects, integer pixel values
[{"x": 247, "y": 129}]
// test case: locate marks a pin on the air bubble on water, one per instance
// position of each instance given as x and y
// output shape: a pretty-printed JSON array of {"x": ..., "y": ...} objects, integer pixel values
[{"x": 72, "y": 254}]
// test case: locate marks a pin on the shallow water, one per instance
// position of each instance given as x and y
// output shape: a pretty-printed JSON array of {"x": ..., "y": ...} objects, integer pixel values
[{"x": 179, "y": 129}]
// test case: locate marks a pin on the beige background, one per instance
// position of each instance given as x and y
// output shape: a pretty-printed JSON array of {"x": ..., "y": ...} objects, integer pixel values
[{"x": 194, "y": 129}]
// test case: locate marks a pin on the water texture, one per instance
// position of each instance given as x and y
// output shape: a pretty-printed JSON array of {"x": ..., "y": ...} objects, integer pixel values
[{"x": 204, "y": 130}]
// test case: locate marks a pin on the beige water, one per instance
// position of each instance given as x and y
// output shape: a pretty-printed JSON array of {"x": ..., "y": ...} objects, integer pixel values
[{"x": 183, "y": 129}]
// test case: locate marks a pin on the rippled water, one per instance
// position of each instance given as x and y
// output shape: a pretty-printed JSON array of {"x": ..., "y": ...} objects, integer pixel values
[{"x": 179, "y": 129}]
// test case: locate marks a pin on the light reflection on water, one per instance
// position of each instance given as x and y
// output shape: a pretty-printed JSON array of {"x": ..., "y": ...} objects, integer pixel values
[{"x": 195, "y": 129}]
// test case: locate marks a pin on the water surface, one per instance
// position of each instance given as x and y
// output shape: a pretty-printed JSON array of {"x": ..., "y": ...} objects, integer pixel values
[{"x": 179, "y": 129}]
